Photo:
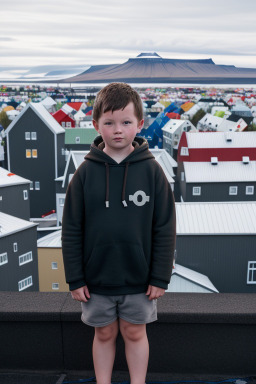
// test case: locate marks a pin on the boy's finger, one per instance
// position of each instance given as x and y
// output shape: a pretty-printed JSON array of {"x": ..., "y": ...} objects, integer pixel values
[
  {"x": 87, "y": 294},
  {"x": 149, "y": 290}
]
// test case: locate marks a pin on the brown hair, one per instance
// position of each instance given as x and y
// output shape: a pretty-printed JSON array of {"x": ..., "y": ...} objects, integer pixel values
[{"x": 116, "y": 96}]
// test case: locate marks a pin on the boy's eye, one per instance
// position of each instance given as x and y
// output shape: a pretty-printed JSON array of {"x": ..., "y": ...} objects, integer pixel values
[
  {"x": 127, "y": 122},
  {"x": 107, "y": 123}
]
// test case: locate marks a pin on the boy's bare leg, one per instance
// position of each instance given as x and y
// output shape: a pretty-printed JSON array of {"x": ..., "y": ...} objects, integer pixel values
[
  {"x": 136, "y": 350},
  {"x": 103, "y": 350}
]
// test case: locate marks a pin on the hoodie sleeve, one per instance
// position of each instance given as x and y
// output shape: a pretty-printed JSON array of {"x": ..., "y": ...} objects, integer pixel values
[
  {"x": 73, "y": 233},
  {"x": 163, "y": 233}
]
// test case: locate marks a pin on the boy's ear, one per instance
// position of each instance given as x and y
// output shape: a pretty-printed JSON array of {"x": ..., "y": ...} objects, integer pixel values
[
  {"x": 140, "y": 126},
  {"x": 96, "y": 126}
]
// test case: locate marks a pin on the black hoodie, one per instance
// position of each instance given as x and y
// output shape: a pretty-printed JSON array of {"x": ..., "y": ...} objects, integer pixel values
[{"x": 118, "y": 228}]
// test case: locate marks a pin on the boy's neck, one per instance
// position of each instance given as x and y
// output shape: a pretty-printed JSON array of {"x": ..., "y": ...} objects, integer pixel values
[{"x": 118, "y": 156}]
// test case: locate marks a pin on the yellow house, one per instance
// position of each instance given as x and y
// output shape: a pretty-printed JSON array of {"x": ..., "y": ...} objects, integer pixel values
[{"x": 50, "y": 264}]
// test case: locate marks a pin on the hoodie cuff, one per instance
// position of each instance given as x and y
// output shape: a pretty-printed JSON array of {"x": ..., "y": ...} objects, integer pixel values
[
  {"x": 158, "y": 283},
  {"x": 76, "y": 285}
]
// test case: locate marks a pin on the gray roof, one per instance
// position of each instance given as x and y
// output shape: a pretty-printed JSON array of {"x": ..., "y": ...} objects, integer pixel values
[
  {"x": 12, "y": 179},
  {"x": 224, "y": 171},
  {"x": 43, "y": 114},
  {"x": 221, "y": 218},
  {"x": 10, "y": 224},
  {"x": 218, "y": 140},
  {"x": 53, "y": 240}
]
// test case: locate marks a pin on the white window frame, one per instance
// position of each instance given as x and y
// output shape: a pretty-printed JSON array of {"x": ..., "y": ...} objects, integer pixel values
[
  {"x": 15, "y": 247},
  {"x": 25, "y": 283},
  {"x": 251, "y": 269},
  {"x": 31, "y": 186},
  {"x": 249, "y": 190},
  {"x": 61, "y": 201},
  {"x": 3, "y": 258},
  {"x": 34, "y": 156},
  {"x": 68, "y": 124},
  {"x": 25, "y": 258},
  {"x": 233, "y": 192},
  {"x": 182, "y": 176},
  {"x": 28, "y": 153},
  {"x": 33, "y": 135},
  {"x": 25, "y": 194},
  {"x": 54, "y": 265},
  {"x": 37, "y": 185},
  {"x": 27, "y": 136},
  {"x": 63, "y": 124},
  {"x": 196, "y": 191},
  {"x": 78, "y": 140},
  {"x": 55, "y": 286},
  {"x": 184, "y": 151}
]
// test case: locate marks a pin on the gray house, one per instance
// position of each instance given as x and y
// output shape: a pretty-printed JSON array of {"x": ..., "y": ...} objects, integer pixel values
[
  {"x": 14, "y": 195},
  {"x": 35, "y": 150},
  {"x": 218, "y": 240},
  {"x": 218, "y": 181},
  {"x": 18, "y": 254}
]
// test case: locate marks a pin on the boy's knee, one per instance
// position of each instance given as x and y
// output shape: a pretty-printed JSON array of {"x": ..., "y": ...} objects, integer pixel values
[
  {"x": 107, "y": 333},
  {"x": 132, "y": 332}
]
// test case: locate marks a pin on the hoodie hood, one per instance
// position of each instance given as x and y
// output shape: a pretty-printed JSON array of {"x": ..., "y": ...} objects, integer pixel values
[{"x": 141, "y": 152}]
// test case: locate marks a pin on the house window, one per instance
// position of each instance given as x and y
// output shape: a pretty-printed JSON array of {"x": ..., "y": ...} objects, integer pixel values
[
  {"x": 182, "y": 176},
  {"x": 37, "y": 185},
  {"x": 68, "y": 124},
  {"x": 15, "y": 247},
  {"x": 3, "y": 258},
  {"x": 27, "y": 135},
  {"x": 184, "y": 151},
  {"x": 62, "y": 151},
  {"x": 233, "y": 190},
  {"x": 61, "y": 202},
  {"x": 77, "y": 140},
  {"x": 251, "y": 272},
  {"x": 33, "y": 136},
  {"x": 63, "y": 124},
  {"x": 34, "y": 153},
  {"x": 25, "y": 283},
  {"x": 25, "y": 195},
  {"x": 55, "y": 285},
  {"x": 28, "y": 153},
  {"x": 54, "y": 265},
  {"x": 31, "y": 186},
  {"x": 196, "y": 191},
  {"x": 249, "y": 190},
  {"x": 25, "y": 258}
]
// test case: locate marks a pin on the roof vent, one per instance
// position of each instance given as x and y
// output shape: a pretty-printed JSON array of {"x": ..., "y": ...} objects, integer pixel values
[
  {"x": 246, "y": 159},
  {"x": 214, "y": 160},
  {"x": 228, "y": 136}
]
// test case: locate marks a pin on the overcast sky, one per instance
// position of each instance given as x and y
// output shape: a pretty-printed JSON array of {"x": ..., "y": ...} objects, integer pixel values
[{"x": 82, "y": 32}]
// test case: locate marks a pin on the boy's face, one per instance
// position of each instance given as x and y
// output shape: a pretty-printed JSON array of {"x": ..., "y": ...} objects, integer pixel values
[{"x": 118, "y": 129}]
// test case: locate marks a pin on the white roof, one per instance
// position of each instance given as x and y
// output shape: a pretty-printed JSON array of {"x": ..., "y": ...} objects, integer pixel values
[
  {"x": 53, "y": 240},
  {"x": 186, "y": 280},
  {"x": 157, "y": 105},
  {"x": 43, "y": 114},
  {"x": 48, "y": 101},
  {"x": 166, "y": 162},
  {"x": 79, "y": 114},
  {"x": 78, "y": 158},
  {"x": 13, "y": 179},
  {"x": 172, "y": 125},
  {"x": 214, "y": 120},
  {"x": 218, "y": 140},
  {"x": 66, "y": 108},
  {"x": 10, "y": 224},
  {"x": 224, "y": 171},
  {"x": 220, "y": 218}
]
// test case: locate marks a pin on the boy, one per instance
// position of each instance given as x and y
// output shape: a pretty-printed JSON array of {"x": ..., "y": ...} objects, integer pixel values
[{"x": 118, "y": 233}]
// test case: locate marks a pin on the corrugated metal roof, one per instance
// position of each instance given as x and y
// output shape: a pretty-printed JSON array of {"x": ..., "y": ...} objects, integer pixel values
[
  {"x": 48, "y": 101},
  {"x": 222, "y": 218},
  {"x": 186, "y": 280},
  {"x": 53, "y": 240},
  {"x": 87, "y": 135},
  {"x": 224, "y": 171},
  {"x": 218, "y": 140},
  {"x": 13, "y": 179},
  {"x": 10, "y": 224}
]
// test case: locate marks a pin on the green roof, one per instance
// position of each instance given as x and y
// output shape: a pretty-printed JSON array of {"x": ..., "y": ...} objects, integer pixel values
[{"x": 86, "y": 135}]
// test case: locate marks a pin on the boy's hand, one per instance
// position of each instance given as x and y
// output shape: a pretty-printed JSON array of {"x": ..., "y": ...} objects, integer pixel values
[
  {"x": 81, "y": 294},
  {"x": 154, "y": 292}
]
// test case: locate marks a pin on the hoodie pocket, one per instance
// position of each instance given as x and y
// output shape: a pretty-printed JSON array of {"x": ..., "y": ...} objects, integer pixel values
[{"x": 118, "y": 264}]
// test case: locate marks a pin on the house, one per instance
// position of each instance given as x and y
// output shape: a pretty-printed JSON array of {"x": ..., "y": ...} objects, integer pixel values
[
  {"x": 78, "y": 116},
  {"x": 78, "y": 106},
  {"x": 78, "y": 139},
  {"x": 214, "y": 123},
  {"x": 218, "y": 181},
  {"x": 14, "y": 195},
  {"x": 49, "y": 104},
  {"x": 218, "y": 240},
  {"x": 172, "y": 132},
  {"x": 64, "y": 119},
  {"x": 18, "y": 254},
  {"x": 50, "y": 264},
  {"x": 35, "y": 151}
]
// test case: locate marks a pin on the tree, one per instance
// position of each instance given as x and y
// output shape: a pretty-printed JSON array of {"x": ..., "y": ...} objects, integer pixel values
[
  {"x": 198, "y": 116},
  {"x": 4, "y": 121}
]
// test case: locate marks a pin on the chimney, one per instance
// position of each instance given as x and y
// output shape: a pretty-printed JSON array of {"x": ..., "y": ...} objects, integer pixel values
[
  {"x": 214, "y": 160},
  {"x": 246, "y": 159},
  {"x": 228, "y": 136}
]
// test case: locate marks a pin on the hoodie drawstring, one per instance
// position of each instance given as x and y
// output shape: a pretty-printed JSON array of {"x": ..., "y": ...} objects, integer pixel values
[{"x": 124, "y": 185}]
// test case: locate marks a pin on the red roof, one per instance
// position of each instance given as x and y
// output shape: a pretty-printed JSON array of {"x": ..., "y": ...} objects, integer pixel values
[
  {"x": 173, "y": 115},
  {"x": 75, "y": 106}
]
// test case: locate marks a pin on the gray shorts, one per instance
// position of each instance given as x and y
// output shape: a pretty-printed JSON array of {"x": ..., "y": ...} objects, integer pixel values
[{"x": 101, "y": 310}]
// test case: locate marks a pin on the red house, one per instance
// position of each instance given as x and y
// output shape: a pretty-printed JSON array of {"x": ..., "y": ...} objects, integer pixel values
[{"x": 63, "y": 119}]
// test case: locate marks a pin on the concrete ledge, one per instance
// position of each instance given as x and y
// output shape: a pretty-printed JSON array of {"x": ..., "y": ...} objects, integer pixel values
[{"x": 195, "y": 334}]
